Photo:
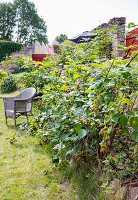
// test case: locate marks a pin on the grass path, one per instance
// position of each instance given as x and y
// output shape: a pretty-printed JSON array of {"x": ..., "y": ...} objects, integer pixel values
[{"x": 23, "y": 165}]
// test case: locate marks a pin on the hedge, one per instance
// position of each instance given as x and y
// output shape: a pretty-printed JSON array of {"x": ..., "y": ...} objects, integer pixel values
[{"x": 8, "y": 47}]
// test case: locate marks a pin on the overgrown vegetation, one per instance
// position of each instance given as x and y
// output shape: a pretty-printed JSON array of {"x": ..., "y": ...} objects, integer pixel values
[
  {"x": 2, "y": 75},
  {"x": 8, "y": 84},
  {"x": 86, "y": 110}
]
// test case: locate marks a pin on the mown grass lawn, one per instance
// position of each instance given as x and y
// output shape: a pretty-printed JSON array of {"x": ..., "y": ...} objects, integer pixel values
[{"x": 25, "y": 168}]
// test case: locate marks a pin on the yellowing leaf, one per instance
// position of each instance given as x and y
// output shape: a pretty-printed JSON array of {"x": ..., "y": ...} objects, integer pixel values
[
  {"x": 52, "y": 72},
  {"x": 64, "y": 87},
  {"x": 126, "y": 100},
  {"x": 76, "y": 75}
]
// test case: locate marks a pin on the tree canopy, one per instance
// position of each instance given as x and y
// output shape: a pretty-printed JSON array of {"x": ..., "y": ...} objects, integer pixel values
[
  {"x": 20, "y": 22},
  {"x": 7, "y": 21},
  {"x": 61, "y": 38}
]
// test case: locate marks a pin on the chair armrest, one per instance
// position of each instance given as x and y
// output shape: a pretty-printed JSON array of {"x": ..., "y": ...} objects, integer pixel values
[{"x": 22, "y": 105}]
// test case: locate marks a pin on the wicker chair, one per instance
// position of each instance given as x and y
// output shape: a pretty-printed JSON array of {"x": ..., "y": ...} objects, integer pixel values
[{"x": 20, "y": 104}]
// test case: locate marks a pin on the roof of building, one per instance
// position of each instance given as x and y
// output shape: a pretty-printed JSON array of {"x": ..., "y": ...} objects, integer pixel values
[{"x": 81, "y": 38}]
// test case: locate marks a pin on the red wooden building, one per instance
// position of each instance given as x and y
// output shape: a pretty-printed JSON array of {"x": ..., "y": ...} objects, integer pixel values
[{"x": 132, "y": 39}]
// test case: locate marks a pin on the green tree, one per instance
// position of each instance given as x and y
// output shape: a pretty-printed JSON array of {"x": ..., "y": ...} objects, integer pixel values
[
  {"x": 61, "y": 38},
  {"x": 30, "y": 26},
  {"x": 20, "y": 22},
  {"x": 7, "y": 21}
]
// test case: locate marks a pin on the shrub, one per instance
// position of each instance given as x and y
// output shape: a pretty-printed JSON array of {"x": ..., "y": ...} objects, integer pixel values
[
  {"x": 8, "y": 84},
  {"x": 88, "y": 108},
  {"x": 89, "y": 111},
  {"x": 56, "y": 48},
  {"x": 2, "y": 75},
  {"x": 8, "y": 47}
]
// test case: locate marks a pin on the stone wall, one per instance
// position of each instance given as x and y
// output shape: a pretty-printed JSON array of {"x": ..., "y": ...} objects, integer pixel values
[
  {"x": 25, "y": 50},
  {"x": 118, "y": 36}
]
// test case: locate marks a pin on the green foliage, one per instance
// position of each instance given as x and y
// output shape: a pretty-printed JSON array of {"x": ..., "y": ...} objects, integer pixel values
[
  {"x": 30, "y": 27},
  {"x": 102, "y": 44},
  {"x": 8, "y": 47},
  {"x": 21, "y": 61},
  {"x": 19, "y": 21},
  {"x": 61, "y": 38},
  {"x": 88, "y": 107},
  {"x": 56, "y": 48},
  {"x": 2, "y": 75},
  {"x": 8, "y": 84},
  {"x": 131, "y": 25},
  {"x": 7, "y": 21}
]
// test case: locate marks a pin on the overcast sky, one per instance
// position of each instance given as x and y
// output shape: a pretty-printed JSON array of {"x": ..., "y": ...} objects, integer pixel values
[{"x": 72, "y": 17}]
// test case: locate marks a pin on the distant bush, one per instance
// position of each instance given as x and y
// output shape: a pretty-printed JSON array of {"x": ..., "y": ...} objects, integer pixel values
[
  {"x": 9, "y": 84},
  {"x": 8, "y": 47},
  {"x": 56, "y": 48}
]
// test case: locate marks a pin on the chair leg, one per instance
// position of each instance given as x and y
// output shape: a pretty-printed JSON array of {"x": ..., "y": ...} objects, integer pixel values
[
  {"x": 27, "y": 118},
  {"x": 6, "y": 120},
  {"x": 32, "y": 114}
]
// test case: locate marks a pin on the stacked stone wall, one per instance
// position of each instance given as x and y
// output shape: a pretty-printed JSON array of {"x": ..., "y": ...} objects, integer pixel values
[{"x": 25, "y": 50}]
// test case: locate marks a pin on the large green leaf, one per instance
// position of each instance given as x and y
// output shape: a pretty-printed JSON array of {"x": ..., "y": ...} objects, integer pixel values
[
  {"x": 126, "y": 74},
  {"x": 116, "y": 117},
  {"x": 82, "y": 133},
  {"x": 108, "y": 99},
  {"x": 134, "y": 122},
  {"x": 125, "y": 131},
  {"x": 134, "y": 135},
  {"x": 123, "y": 120},
  {"x": 77, "y": 147},
  {"x": 77, "y": 127}
]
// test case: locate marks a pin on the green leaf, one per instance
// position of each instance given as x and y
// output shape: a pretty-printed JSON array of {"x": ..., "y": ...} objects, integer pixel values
[
  {"x": 55, "y": 160},
  {"x": 134, "y": 122},
  {"x": 131, "y": 114},
  {"x": 76, "y": 75},
  {"x": 82, "y": 133},
  {"x": 131, "y": 24},
  {"x": 135, "y": 149},
  {"x": 134, "y": 135},
  {"x": 126, "y": 74},
  {"x": 116, "y": 117},
  {"x": 77, "y": 147},
  {"x": 121, "y": 46},
  {"x": 73, "y": 138},
  {"x": 123, "y": 120},
  {"x": 77, "y": 127},
  {"x": 126, "y": 100},
  {"x": 109, "y": 130},
  {"x": 64, "y": 87},
  {"x": 108, "y": 99},
  {"x": 125, "y": 131}
]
